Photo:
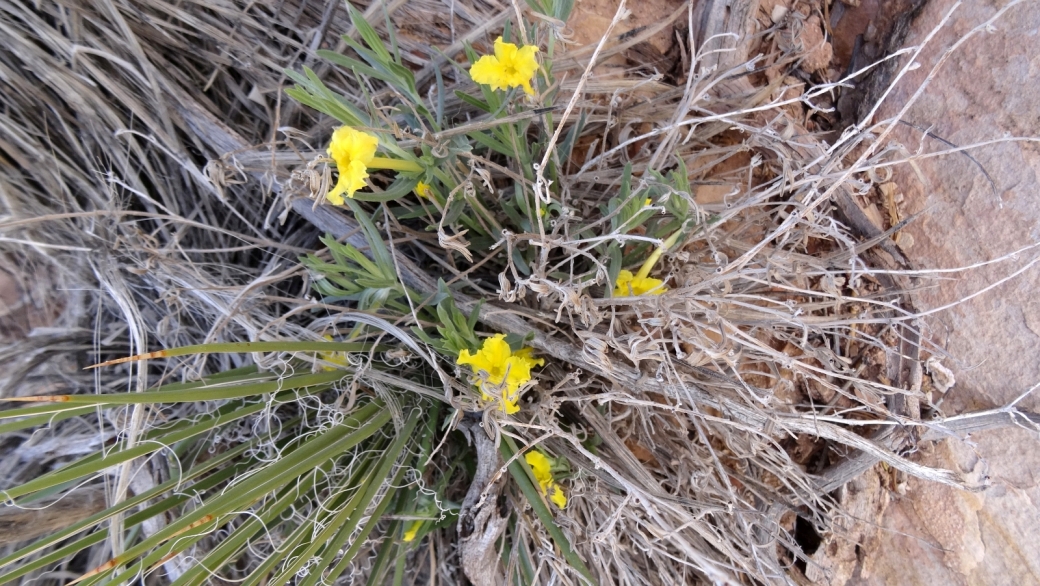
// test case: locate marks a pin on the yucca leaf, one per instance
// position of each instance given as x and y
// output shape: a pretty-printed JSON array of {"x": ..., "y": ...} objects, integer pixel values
[
  {"x": 311, "y": 453},
  {"x": 154, "y": 440},
  {"x": 50, "y": 415},
  {"x": 158, "y": 508},
  {"x": 243, "y": 348},
  {"x": 214, "y": 392}
]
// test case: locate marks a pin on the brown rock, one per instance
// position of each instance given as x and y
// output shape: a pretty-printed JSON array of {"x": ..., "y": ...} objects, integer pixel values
[{"x": 979, "y": 205}]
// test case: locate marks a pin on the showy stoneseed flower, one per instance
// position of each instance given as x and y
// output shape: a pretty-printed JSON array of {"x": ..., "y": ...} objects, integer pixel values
[
  {"x": 353, "y": 151},
  {"x": 509, "y": 67},
  {"x": 542, "y": 468},
  {"x": 422, "y": 189},
  {"x": 499, "y": 371},
  {"x": 630, "y": 285}
]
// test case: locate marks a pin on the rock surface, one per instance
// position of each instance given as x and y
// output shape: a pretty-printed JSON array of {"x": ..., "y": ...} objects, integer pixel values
[{"x": 978, "y": 206}]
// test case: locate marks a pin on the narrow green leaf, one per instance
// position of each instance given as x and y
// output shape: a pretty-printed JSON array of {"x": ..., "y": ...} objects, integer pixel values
[
  {"x": 50, "y": 416},
  {"x": 473, "y": 101},
  {"x": 153, "y": 441},
  {"x": 258, "y": 522},
  {"x": 215, "y": 392},
  {"x": 369, "y": 34},
  {"x": 184, "y": 480}
]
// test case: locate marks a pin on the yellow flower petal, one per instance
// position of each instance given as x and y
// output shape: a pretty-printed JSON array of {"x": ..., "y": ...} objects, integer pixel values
[
  {"x": 422, "y": 189},
  {"x": 509, "y": 67},
  {"x": 412, "y": 531},
  {"x": 557, "y": 497},
  {"x": 339, "y": 359},
  {"x": 500, "y": 372},
  {"x": 352, "y": 150},
  {"x": 486, "y": 71},
  {"x": 541, "y": 466},
  {"x": 630, "y": 285},
  {"x": 504, "y": 52}
]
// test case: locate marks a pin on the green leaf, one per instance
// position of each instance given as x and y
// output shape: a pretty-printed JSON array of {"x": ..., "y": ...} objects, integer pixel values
[
  {"x": 615, "y": 263},
  {"x": 402, "y": 186},
  {"x": 347, "y": 520},
  {"x": 473, "y": 101},
  {"x": 215, "y": 392},
  {"x": 368, "y": 34},
  {"x": 486, "y": 140},
  {"x": 50, "y": 415},
  {"x": 152, "y": 441}
]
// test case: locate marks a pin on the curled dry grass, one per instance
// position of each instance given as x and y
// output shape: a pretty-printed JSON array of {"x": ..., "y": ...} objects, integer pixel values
[{"x": 698, "y": 424}]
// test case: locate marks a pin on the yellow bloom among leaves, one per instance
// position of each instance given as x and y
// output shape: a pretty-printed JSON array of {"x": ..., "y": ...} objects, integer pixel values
[
  {"x": 629, "y": 285},
  {"x": 504, "y": 371},
  {"x": 422, "y": 189},
  {"x": 542, "y": 468},
  {"x": 509, "y": 67},
  {"x": 353, "y": 151},
  {"x": 336, "y": 360},
  {"x": 412, "y": 530}
]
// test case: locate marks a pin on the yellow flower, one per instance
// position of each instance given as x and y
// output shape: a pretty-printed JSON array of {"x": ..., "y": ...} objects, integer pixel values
[
  {"x": 422, "y": 189},
  {"x": 500, "y": 370},
  {"x": 339, "y": 359},
  {"x": 648, "y": 202},
  {"x": 413, "y": 530},
  {"x": 639, "y": 285},
  {"x": 353, "y": 151},
  {"x": 509, "y": 67},
  {"x": 542, "y": 468}
]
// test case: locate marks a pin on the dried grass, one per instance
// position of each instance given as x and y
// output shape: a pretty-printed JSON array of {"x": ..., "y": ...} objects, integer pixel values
[{"x": 720, "y": 411}]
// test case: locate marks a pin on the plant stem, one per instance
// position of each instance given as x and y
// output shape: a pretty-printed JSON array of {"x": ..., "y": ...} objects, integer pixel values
[
  {"x": 395, "y": 165},
  {"x": 653, "y": 258}
]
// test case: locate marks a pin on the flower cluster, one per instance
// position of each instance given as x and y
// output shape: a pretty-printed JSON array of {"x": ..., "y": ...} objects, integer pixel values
[
  {"x": 500, "y": 371},
  {"x": 631, "y": 285},
  {"x": 509, "y": 67},
  {"x": 542, "y": 468}
]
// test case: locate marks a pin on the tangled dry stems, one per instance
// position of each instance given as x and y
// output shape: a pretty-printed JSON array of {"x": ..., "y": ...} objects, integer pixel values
[{"x": 698, "y": 423}]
